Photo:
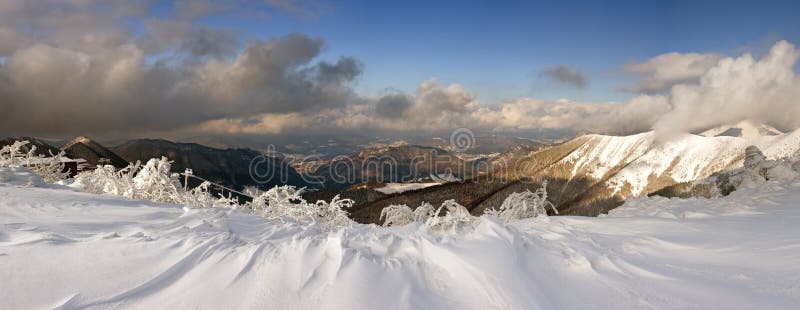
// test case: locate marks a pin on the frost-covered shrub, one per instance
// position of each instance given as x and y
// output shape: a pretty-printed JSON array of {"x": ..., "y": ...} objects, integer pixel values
[
  {"x": 154, "y": 182},
  {"x": 201, "y": 196},
  {"x": 397, "y": 215},
  {"x": 424, "y": 212},
  {"x": 451, "y": 216},
  {"x": 455, "y": 218},
  {"x": 105, "y": 180},
  {"x": 149, "y": 182},
  {"x": 286, "y": 202},
  {"x": 12, "y": 155},
  {"x": 50, "y": 168},
  {"x": 332, "y": 214},
  {"x": 524, "y": 205}
]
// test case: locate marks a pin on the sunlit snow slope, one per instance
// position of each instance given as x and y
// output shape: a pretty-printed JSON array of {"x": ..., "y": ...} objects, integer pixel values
[
  {"x": 62, "y": 248},
  {"x": 639, "y": 164}
]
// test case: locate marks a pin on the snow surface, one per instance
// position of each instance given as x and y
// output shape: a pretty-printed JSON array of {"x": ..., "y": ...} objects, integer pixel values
[
  {"x": 394, "y": 188},
  {"x": 66, "y": 249}
]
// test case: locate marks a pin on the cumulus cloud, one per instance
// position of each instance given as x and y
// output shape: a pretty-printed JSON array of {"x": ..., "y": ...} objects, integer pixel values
[
  {"x": 393, "y": 106},
  {"x": 436, "y": 107},
  {"x": 660, "y": 73},
  {"x": 734, "y": 89},
  {"x": 565, "y": 75},
  {"x": 74, "y": 70},
  {"x": 636, "y": 115},
  {"x": 432, "y": 106},
  {"x": 45, "y": 88}
]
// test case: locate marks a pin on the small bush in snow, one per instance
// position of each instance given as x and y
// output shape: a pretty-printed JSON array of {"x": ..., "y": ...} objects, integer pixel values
[
  {"x": 524, "y": 205},
  {"x": 424, "y": 212},
  {"x": 287, "y": 202},
  {"x": 154, "y": 182},
  {"x": 455, "y": 218},
  {"x": 397, "y": 215},
  {"x": 516, "y": 206},
  {"x": 50, "y": 168},
  {"x": 149, "y": 182}
]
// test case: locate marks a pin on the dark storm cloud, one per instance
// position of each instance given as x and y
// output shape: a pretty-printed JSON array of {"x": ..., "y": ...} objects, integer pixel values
[
  {"x": 565, "y": 75},
  {"x": 71, "y": 69},
  {"x": 393, "y": 106}
]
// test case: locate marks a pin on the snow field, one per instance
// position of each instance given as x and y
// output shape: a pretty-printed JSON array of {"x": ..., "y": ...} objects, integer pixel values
[{"x": 60, "y": 248}]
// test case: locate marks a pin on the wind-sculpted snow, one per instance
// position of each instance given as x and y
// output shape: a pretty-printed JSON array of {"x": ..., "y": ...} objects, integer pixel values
[{"x": 65, "y": 249}]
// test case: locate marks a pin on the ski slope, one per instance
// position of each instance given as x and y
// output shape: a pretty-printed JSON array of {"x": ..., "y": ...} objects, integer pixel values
[{"x": 62, "y": 248}]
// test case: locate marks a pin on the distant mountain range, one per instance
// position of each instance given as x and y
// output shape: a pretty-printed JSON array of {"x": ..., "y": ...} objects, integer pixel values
[
  {"x": 405, "y": 163},
  {"x": 588, "y": 175},
  {"x": 592, "y": 174},
  {"x": 327, "y": 147},
  {"x": 229, "y": 167}
]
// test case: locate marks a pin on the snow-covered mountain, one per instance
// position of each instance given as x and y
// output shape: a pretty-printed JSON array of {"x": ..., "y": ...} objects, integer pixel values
[
  {"x": 744, "y": 129},
  {"x": 638, "y": 162},
  {"x": 593, "y": 174},
  {"x": 624, "y": 166}
]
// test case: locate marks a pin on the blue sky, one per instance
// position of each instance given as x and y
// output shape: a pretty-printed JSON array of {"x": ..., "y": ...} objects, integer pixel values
[{"x": 497, "y": 49}]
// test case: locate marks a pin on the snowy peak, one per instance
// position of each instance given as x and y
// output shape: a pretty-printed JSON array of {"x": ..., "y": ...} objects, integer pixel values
[
  {"x": 78, "y": 140},
  {"x": 744, "y": 129},
  {"x": 93, "y": 152}
]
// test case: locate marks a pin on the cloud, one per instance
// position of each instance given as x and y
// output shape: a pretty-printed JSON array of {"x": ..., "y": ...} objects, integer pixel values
[
  {"x": 393, "y": 106},
  {"x": 636, "y": 115},
  {"x": 565, "y": 75},
  {"x": 78, "y": 67},
  {"x": 660, "y": 73},
  {"x": 432, "y": 107},
  {"x": 46, "y": 89},
  {"x": 732, "y": 89},
  {"x": 765, "y": 90},
  {"x": 305, "y": 8},
  {"x": 436, "y": 107}
]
